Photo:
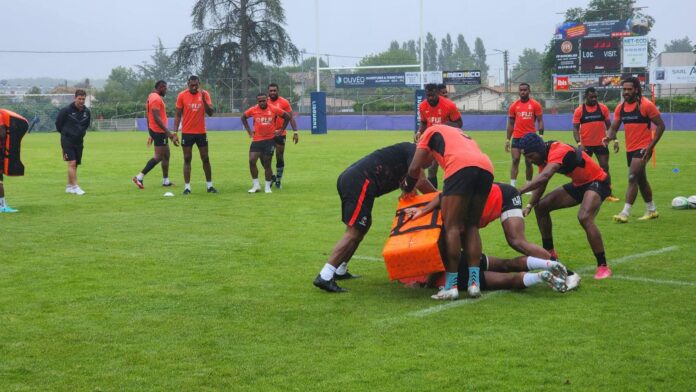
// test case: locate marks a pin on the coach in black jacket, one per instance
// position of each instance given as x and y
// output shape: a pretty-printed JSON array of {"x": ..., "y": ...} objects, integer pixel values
[{"x": 72, "y": 123}]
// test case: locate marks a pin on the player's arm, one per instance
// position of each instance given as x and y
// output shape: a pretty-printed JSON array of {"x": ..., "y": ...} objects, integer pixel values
[
  {"x": 510, "y": 127},
  {"x": 286, "y": 120},
  {"x": 293, "y": 124},
  {"x": 540, "y": 123},
  {"x": 415, "y": 212},
  {"x": 421, "y": 129},
  {"x": 415, "y": 171},
  {"x": 177, "y": 118},
  {"x": 245, "y": 124},
  {"x": 659, "y": 130},
  {"x": 208, "y": 108},
  {"x": 576, "y": 135},
  {"x": 541, "y": 179},
  {"x": 611, "y": 133},
  {"x": 60, "y": 120},
  {"x": 456, "y": 123}
]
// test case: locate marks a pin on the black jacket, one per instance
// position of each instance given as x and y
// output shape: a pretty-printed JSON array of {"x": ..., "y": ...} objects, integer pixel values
[{"x": 72, "y": 123}]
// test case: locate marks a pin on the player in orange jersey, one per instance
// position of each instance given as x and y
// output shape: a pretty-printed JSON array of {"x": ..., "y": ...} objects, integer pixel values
[
  {"x": 524, "y": 114},
  {"x": 282, "y": 103},
  {"x": 192, "y": 105},
  {"x": 637, "y": 113}
]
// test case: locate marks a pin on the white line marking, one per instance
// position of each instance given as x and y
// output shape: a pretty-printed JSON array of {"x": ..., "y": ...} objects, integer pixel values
[
  {"x": 656, "y": 281},
  {"x": 368, "y": 258},
  {"x": 468, "y": 301}
]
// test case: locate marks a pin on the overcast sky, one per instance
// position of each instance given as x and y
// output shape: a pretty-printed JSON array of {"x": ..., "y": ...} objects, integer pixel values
[{"x": 347, "y": 28}]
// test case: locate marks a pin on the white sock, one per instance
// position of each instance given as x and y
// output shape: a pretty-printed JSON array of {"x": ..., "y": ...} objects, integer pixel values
[
  {"x": 268, "y": 184},
  {"x": 537, "y": 263},
  {"x": 255, "y": 182},
  {"x": 651, "y": 206},
  {"x": 165, "y": 180},
  {"x": 208, "y": 184},
  {"x": 342, "y": 269},
  {"x": 327, "y": 273},
  {"x": 627, "y": 209},
  {"x": 187, "y": 186},
  {"x": 513, "y": 182},
  {"x": 2, "y": 202},
  {"x": 140, "y": 176},
  {"x": 531, "y": 278}
]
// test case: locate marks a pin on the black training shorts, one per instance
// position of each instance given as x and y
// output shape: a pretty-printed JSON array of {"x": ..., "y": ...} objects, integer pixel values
[
  {"x": 599, "y": 150},
  {"x": 71, "y": 152},
  {"x": 356, "y": 200},
  {"x": 160, "y": 139},
  {"x": 603, "y": 188},
  {"x": 280, "y": 140},
  {"x": 635, "y": 154},
  {"x": 265, "y": 147},
  {"x": 189, "y": 139}
]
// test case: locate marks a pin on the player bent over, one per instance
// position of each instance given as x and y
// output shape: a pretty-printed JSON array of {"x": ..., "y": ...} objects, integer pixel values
[
  {"x": 467, "y": 181},
  {"x": 10, "y": 123},
  {"x": 589, "y": 187},
  {"x": 376, "y": 174}
]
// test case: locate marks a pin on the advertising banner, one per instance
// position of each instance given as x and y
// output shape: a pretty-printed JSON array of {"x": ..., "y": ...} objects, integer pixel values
[
  {"x": 393, "y": 79},
  {"x": 602, "y": 29},
  {"x": 413, "y": 78},
  {"x": 599, "y": 55},
  {"x": 318, "y": 112},
  {"x": 580, "y": 82},
  {"x": 461, "y": 77},
  {"x": 635, "y": 52},
  {"x": 419, "y": 97},
  {"x": 673, "y": 75},
  {"x": 567, "y": 55}
]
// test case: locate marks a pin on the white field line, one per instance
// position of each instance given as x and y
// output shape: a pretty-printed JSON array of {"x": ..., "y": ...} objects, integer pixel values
[
  {"x": 368, "y": 258},
  {"x": 656, "y": 281},
  {"x": 446, "y": 306}
]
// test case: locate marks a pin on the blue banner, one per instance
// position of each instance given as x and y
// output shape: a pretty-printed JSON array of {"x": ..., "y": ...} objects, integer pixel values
[
  {"x": 393, "y": 79},
  {"x": 420, "y": 97},
  {"x": 318, "y": 113}
]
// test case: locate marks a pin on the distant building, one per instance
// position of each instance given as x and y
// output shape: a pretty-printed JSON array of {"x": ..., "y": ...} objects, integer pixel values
[
  {"x": 481, "y": 99},
  {"x": 679, "y": 59}
]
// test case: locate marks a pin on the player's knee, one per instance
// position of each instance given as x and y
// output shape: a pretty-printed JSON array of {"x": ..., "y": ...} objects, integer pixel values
[
  {"x": 516, "y": 161},
  {"x": 632, "y": 178},
  {"x": 585, "y": 218},
  {"x": 187, "y": 160}
]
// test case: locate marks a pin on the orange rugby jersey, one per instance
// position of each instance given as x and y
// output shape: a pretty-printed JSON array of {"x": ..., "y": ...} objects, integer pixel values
[
  {"x": 264, "y": 121},
  {"x": 284, "y": 105},
  {"x": 453, "y": 149},
  {"x": 193, "y": 117},
  {"x": 636, "y": 120},
  {"x": 155, "y": 102},
  {"x": 444, "y": 111},
  {"x": 592, "y": 126},
  {"x": 524, "y": 114}
]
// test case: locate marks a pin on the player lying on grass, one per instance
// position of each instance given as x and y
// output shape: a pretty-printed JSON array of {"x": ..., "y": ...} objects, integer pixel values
[
  {"x": 377, "y": 174},
  {"x": 496, "y": 274},
  {"x": 504, "y": 202}
]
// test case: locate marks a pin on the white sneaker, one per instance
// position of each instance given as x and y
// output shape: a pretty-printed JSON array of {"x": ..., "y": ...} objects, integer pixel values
[
  {"x": 474, "y": 291},
  {"x": 573, "y": 281},
  {"x": 556, "y": 283},
  {"x": 254, "y": 189},
  {"x": 78, "y": 191},
  {"x": 451, "y": 294},
  {"x": 69, "y": 189},
  {"x": 268, "y": 190}
]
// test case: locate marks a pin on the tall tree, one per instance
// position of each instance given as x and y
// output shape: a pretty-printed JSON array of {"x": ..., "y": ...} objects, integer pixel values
[
  {"x": 412, "y": 47},
  {"x": 162, "y": 66},
  {"x": 445, "y": 57},
  {"x": 679, "y": 45},
  {"x": 430, "y": 53},
  {"x": 394, "y": 55},
  {"x": 480, "y": 58},
  {"x": 229, "y": 33},
  {"x": 462, "y": 54},
  {"x": 528, "y": 68}
]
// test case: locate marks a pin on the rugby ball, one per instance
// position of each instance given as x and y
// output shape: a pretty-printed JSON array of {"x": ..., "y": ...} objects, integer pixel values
[
  {"x": 680, "y": 203},
  {"x": 692, "y": 201}
]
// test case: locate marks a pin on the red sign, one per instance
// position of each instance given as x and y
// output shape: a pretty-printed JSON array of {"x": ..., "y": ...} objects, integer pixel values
[{"x": 562, "y": 83}]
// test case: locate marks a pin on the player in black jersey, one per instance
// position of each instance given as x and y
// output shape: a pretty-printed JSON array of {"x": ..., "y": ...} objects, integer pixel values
[{"x": 375, "y": 175}]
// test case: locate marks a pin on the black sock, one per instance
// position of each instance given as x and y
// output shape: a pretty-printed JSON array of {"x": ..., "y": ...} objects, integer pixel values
[
  {"x": 150, "y": 165},
  {"x": 601, "y": 259},
  {"x": 433, "y": 180},
  {"x": 279, "y": 171},
  {"x": 547, "y": 243}
]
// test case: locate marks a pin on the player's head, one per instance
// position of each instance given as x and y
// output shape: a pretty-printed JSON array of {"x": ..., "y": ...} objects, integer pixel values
[
  {"x": 161, "y": 87},
  {"x": 591, "y": 96},
  {"x": 442, "y": 90},
  {"x": 534, "y": 148},
  {"x": 432, "y": 94},
  {"x": 193, "y": 84},
  {"x": 80, "y": 97},
  {"x": 262, "y": 100},
  {"x": 273, "y": 91},
  {"x": 524, "y": 91},
  {"x": 631, "y": 89}
]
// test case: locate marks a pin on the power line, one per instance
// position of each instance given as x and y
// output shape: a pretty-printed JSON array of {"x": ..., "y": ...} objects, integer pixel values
[{"x": 80, "y": 51}]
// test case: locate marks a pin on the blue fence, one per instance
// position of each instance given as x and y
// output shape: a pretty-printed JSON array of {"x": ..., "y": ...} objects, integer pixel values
[{"x": 480, "y": 122}]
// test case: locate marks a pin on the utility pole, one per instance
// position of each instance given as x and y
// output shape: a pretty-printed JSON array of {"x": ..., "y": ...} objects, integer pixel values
[{"x": 505, "y": 61}]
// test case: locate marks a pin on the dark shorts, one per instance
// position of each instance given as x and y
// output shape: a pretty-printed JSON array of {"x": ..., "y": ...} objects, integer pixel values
[
  {"x": 280, "y": 140},
  {"x": 603, "y": 188},
  {"x": 635, "y": 154},
  {"x": 72, "y": 152},
  {"x": 463, "y": 277},
  {"x": 160, "y": 139},
  {"x": 515, "y": 142},
  {"x": 265, "y": 147},
  {"x": 356, "y": 200},
  {"x": 599, "y": 150},
  {"x": 189, "y": 139},
  {"x": 473, "y": 184},
  {"x": 511, "y": 198}
]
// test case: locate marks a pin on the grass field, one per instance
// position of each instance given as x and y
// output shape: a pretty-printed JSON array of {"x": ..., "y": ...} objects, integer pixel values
[{"x": 123, "y": 289}]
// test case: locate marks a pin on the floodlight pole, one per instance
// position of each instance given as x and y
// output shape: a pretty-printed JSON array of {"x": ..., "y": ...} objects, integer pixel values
[
  {"x": 421, "y": 43},
  {"x": 316, "y": 34}
]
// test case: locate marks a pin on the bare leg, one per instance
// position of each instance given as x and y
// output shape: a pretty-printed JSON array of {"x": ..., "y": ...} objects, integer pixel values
[
  {"x": 514, "y": 169},
  {"x": 72, "y": 172},
  {"x": 203, "y": 151},
  {"x": 188, "y": 152}
]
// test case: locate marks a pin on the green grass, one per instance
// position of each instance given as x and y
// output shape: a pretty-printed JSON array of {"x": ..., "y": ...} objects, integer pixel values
[{"x": 124, "y": 289}]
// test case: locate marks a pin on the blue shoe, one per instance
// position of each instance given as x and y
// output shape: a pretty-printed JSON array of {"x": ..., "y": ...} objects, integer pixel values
[{"x": 8, "y": 209}]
